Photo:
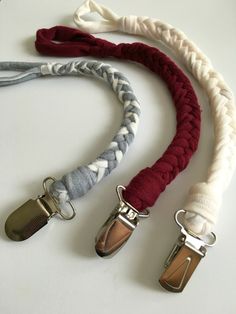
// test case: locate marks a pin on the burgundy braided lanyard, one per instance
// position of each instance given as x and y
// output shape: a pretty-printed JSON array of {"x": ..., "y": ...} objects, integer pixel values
[{"x": 146, "y": 186}]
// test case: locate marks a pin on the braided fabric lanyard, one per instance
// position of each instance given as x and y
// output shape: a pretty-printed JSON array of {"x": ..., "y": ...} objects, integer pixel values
[
  {"x": 145, "y": 188},
  {"x": 204, "y": 199},
  {"x": 34, "y": 214}
]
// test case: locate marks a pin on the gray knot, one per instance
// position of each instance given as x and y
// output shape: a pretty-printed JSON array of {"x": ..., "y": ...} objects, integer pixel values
[{"x": 74, "y": 184}]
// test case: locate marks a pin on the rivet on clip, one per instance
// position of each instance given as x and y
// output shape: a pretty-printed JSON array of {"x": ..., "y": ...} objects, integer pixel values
[
  {"x": 119, "y": 226},
  {"x": 33, "y": 215},
  {"x": 184, "y": 258}
]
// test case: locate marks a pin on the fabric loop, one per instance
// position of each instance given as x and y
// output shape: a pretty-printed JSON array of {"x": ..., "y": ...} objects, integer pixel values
[{"x": 109, "y": 23}]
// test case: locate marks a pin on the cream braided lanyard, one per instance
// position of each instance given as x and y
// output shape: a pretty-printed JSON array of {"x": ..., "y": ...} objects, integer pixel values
[
  {"x": 204, "y": 198},
  {"x": 34, "y": 214}
]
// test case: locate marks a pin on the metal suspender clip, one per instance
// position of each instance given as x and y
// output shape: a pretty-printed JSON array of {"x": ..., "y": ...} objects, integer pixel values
[
  {"x": 119, "y": 226},
  {"x": 184, "y": 258},
  {"x": 34, "y": 214}
]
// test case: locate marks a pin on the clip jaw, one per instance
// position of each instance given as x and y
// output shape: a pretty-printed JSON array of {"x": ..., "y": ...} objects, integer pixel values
[
  {"x": 183, "y": 259},
  {"x": 118, "y": 228},
  {"x": 33, "y": 215}
]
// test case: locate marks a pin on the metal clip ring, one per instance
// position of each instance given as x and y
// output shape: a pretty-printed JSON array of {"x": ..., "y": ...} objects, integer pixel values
[
  {"x": 119, "y": 189},
  {"x": 183, "y": 230},
  {"x": 55, "y": 201}
]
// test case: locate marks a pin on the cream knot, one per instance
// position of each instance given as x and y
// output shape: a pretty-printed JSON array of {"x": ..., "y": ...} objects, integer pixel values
[{"x": 202, "y": 208}]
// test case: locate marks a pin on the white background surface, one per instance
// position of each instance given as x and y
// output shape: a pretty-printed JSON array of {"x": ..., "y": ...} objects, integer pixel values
[{"x": 50, "y": 126}]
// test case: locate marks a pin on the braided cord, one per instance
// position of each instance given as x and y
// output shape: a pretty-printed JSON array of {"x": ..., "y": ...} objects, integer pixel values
[
  {"x": 147, "y": 185},
  {"x": 79, "y": 181},
  {"x": 204, "y": 198}
]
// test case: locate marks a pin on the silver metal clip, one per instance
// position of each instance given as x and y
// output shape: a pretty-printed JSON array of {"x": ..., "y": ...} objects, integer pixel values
[
  {"x": 34, "y": 214},
  {"x": 119, "y": 226},
  {"x": 184, "y": 258}
]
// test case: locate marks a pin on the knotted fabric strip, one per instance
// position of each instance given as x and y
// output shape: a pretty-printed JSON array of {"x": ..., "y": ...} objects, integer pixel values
[
  {"x": 78, "y": 182},
  {"x": 146, "y": 187},
  {"x": 204, "y": 199}
]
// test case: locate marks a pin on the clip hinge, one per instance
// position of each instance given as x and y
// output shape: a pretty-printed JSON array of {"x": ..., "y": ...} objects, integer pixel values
[
  {"x": 33, "y": 215},
  {"x": 118, "y": 228},
  {"x": 183, "y": 259}
]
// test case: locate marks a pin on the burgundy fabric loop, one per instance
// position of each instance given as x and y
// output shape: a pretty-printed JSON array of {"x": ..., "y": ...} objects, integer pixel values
[{"x": 146, "y": 186}]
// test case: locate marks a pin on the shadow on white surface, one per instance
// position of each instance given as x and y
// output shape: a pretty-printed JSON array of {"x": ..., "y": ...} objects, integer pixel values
[{"x": 28, "y": 45}]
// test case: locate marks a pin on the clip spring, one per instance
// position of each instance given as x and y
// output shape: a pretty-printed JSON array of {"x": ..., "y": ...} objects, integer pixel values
[
  {"x": 34, "y": 214},
  {"x": 184, "y": 258}
]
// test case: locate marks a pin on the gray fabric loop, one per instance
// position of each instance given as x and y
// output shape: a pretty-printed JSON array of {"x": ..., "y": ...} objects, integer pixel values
[
  {"x": 79, "y": 181},
  {"x": 31, "y": 71}
]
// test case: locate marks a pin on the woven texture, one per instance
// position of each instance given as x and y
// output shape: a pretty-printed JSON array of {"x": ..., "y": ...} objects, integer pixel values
[
  {"x": 144, "y": 188},
  {"x": 81, "y": 180},
  {"x": 204, "y": 199}
]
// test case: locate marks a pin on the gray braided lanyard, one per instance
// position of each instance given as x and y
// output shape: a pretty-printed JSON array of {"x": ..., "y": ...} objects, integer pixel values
[{"x": 79, "y": 181}]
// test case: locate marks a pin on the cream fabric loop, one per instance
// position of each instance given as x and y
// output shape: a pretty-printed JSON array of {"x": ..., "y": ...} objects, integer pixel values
[
  {"x": 204, "y": 199},
  {"x": 108, "y": 24}
]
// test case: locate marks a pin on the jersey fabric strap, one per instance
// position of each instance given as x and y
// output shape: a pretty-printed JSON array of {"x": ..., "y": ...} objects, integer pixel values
[
  {"x": 147, "y": 185},
  {"x": 79, "y": 181}
]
